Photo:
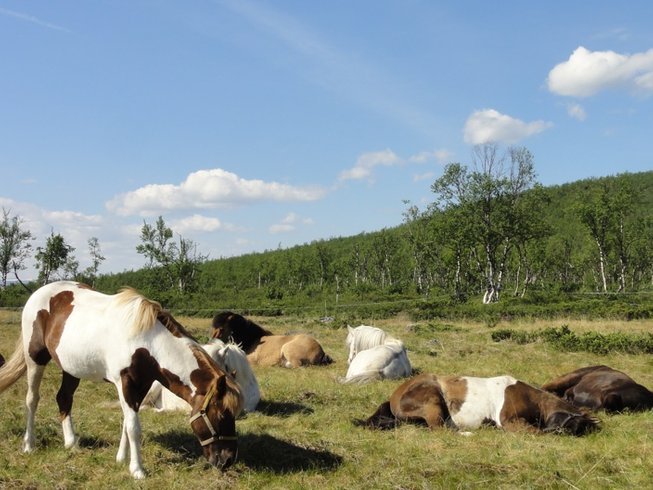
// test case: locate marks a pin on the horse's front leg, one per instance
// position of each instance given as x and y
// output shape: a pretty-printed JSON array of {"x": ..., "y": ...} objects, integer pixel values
[
  {"x": 131, "y": 438},
  {"x": 69, "y": 384}
]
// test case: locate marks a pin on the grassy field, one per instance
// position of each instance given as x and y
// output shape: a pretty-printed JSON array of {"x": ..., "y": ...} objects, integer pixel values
[{"x": 302, "y": 436}]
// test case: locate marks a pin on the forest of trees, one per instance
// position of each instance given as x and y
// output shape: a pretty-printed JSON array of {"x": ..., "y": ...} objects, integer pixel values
[{"x": 491, "y": 232}]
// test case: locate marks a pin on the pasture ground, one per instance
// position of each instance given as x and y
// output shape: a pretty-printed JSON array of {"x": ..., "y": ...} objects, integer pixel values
[{"x": 302, "y": 435}]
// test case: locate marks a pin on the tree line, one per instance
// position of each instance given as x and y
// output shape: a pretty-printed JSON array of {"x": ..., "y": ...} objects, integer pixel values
[{"x": 491, "y": 230}]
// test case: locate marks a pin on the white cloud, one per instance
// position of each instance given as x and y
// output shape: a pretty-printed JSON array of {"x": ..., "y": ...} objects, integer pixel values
[
  {"x": 424, "y": 176},
  {"x": 289, "y": 223},
  {"x": 32, "y": 19},
  {"x": 576, "y": 111},
  {"x": 196, "y": 222},
  {"x": 440, "y": 156},
  {"x": 490, "y": 126},
  {"x": 588, "y": 72},
  {"x": 367, "y": 162},
  {"x": 206, "y": 189}
]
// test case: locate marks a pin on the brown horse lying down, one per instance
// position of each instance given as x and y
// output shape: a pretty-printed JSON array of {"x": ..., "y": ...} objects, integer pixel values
[
  {"x": 263, "y": 348},
  {"x": 464, "y": 402},
  {"x": 601, "y": 387}
]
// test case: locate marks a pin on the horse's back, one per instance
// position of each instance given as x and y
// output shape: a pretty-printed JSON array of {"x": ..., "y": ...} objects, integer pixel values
[
  {"x": 473, "y": 400},
  {"x": 609, "y": 389},
  {"x": 288, "y": 351},
  {"x": 388, "y": 361}
]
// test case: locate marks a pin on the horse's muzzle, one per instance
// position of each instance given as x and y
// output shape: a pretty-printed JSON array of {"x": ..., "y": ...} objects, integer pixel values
[{"x": 224, "y": 459}]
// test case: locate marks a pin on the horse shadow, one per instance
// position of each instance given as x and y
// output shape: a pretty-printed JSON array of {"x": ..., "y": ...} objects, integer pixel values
[
  {"x": 258, "y": 452},
  {"x": 282, "y": 409}
]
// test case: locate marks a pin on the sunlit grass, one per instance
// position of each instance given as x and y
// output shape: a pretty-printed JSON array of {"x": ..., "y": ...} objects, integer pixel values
[{"x": 302, "y": 436}]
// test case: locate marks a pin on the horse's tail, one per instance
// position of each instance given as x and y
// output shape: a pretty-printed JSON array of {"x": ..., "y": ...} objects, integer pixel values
[
  {"x": 383, "y": 418},
  {"x": 362, "y": 378},
  {"x": 14, "y": 368}
]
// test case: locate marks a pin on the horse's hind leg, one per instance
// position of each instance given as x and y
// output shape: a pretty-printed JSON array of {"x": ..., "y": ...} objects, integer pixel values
[
  {"x": 34, "y": 377},
  {"x": 69, "y": 384}
]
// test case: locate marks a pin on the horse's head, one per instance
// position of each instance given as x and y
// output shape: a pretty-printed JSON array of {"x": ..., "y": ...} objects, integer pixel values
[
  {"x": 221, "y": 328},
  {"x": 232, "y": 327},
  {"x": 213, "y": 420},
  {"x": 573, "y": 423}
]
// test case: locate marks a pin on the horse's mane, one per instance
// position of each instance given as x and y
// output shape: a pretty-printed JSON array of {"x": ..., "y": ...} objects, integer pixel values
[
  {"x": 233, "y": 398},
  {"x": 175, "y": 328},
  {"x": 365, "y": 338},
  {"x": 135, "y": 310}
]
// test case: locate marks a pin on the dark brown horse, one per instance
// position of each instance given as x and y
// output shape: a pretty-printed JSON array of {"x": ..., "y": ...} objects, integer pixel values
[
  {"x": 601, "y": 387},
  {"x": 263, "y": 348},
  {"x": 464, "y": 402}
]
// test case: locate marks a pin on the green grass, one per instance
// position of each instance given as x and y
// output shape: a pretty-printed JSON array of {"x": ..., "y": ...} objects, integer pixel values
[{"x": 302, "y": 436}]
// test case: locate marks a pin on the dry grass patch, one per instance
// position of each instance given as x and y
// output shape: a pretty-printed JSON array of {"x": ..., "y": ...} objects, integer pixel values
[{"x": 302, "y": 436}]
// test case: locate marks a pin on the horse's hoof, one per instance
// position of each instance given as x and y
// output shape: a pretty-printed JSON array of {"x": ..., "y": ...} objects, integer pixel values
[
  {"x": 138, "y": 474},
  {"x": 72, "y": 445}
]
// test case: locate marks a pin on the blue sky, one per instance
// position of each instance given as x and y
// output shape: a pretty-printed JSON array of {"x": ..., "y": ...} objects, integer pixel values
[{"x": 251, "y": 125}]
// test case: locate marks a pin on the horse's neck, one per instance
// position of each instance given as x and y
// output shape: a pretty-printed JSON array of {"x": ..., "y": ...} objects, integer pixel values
[{"x": 192, "y": 362}]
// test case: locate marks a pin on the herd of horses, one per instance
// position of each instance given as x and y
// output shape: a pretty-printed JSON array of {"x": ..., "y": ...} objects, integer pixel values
[{"x": 153, "y": 361}]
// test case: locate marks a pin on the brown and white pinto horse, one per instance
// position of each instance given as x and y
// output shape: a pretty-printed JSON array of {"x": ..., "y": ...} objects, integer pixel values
[
  {"x": 601, "y": 387},
  {"x": 263, "y": 348},
  {"x": 464, "y": 402},
  {"x": 129, "y": 341}
]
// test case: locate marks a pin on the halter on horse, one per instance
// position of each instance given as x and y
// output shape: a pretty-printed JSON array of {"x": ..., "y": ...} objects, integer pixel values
[
  {"x": 231, "y": 359},
  {"x": 70, "y": 323}
]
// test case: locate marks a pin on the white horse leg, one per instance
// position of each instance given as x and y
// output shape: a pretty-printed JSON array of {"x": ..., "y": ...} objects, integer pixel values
[
  {"x": 123, "y": 447},
  {"x": 34, "y": 377},
  {"x": 131, "y": 435},
  {"x": 65, "y": 395},
  {"x": 69, "y": 438}
]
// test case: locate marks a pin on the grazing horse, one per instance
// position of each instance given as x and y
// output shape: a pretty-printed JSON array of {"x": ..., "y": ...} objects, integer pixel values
[
  {"x": 231, "y": 359},
  {"x": 263, "y": 348},
  {"x": 376, "y": 356},
  {"x": 601, "y": 387},
  {"x": 361, "y": 338},
  {"x": 464, "y": 402},
  {"x": 131, "y": 342}
]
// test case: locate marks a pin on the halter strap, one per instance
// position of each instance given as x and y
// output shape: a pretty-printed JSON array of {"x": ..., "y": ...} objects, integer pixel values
[{"x": 202, "y": 413}]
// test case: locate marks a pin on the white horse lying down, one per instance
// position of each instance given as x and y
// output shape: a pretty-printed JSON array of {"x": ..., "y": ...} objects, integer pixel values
[
  {"x": 361, "y": 338},
  {"x": 233, "y": 360},
  {"x": 387, "y": 360}
]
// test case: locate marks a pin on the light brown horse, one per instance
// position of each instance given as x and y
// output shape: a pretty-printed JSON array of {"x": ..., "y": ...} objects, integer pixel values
[
  {"x": 263, "y": 348},
  {"x": 465, "y": 402},
  {"x": 601, "y": 387}
]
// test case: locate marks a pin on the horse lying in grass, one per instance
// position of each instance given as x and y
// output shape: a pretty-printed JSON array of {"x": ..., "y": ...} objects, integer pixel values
[
  {"x": 131, "y": 342},
  {"x": 376, "y": 356},
  {"x": 361, "y": 338},
  {"x": 601, "y": 387},
  {"x": 263, "y": 348},
  {"x": 464, "y": 403},
  {"x": 231, "y": 359}
]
